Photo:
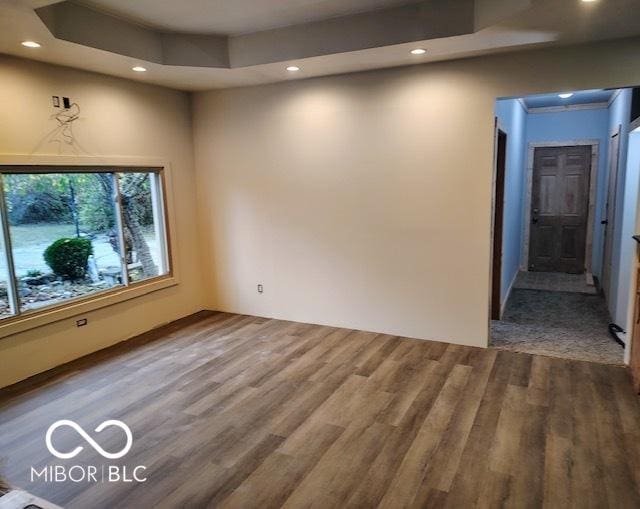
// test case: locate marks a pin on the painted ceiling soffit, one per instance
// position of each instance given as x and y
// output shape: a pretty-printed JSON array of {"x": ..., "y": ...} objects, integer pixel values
[{"x": 426, "y": 20}]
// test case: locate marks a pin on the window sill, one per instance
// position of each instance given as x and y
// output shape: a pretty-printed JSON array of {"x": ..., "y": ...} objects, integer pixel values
[{"x": 40, "y": 318}]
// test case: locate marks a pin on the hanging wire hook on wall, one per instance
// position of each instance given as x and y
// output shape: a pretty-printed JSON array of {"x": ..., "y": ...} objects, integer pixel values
[{"x": 65, "y": 119}]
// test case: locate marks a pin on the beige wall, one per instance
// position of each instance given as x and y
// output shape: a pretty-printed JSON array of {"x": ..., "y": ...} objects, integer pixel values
[
  {"x": 119, "y": 118},
  {"x": 365, "y": 200}
]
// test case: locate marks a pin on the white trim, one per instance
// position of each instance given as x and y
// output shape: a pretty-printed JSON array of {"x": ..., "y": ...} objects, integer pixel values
[
  {"x": 595, "y": 157},
  {"x": 571, "y": 107},
  {"x": 89, "y": 303},
  {"x": 611, "y": 227}
]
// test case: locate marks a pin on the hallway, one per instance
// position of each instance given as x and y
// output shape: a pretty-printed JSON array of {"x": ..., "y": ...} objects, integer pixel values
[
  {"x": 556, "y": 315},
  {"x": 565, "y": 212}
]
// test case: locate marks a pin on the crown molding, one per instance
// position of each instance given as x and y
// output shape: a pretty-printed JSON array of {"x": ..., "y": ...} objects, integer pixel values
[
  {"x": 523, "y": 103},
  {"x": 572, "y": 107}
]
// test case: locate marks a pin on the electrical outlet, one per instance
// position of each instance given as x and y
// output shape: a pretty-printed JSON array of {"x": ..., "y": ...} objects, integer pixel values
[
  {"x": 56, "y": 101},
  {"x": 260, "y": 289},
  {"x": 82, "y": 322},
  {"x": 66, "y": 102}
]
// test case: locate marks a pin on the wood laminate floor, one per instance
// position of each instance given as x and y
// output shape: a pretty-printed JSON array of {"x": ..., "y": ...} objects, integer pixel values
[{"x": 241, "y": 412}]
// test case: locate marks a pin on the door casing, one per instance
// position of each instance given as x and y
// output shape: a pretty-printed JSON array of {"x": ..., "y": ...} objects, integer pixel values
[
  {"x": 610, "y": 215},
  {"x": 498, "y": 222}
]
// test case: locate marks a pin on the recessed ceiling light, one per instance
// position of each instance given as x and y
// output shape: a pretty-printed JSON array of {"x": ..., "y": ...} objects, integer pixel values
[
  {"x": 31, "y": 44},
  {"x": 293, "y": 68},
  {"x": 418, "y": 51},
  {"x": 138, "y": 68},
  {"x": 565, "y": 95},
  {"x": 589, "y": 1}
]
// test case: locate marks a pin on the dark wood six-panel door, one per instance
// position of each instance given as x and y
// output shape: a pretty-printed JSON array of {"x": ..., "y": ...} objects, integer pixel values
[{"x": 559, "y": 209}]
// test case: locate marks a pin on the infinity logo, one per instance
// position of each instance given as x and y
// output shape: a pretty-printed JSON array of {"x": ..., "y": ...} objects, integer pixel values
[{"x": 91, "y": 441}]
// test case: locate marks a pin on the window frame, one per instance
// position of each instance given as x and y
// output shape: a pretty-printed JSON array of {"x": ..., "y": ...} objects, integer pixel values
[{"x": 73, "y": 307}]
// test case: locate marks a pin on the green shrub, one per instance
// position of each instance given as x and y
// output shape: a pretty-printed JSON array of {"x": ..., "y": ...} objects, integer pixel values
[{"x": 68, "y": 257}]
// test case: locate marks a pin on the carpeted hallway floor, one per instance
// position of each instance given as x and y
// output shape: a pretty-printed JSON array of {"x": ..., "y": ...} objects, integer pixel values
[
  {"x": 559, "y": 324},
  {"x": 554, "y": 281}
]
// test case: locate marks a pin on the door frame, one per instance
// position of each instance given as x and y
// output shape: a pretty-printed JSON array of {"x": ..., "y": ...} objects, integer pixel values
[
  {"x": 497, "y": 229},
  {"x": 595, "y": 152},
  {"x": 610, "y": 229}
]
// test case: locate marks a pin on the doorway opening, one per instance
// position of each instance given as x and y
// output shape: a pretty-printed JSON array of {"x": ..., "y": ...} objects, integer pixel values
[{"x": 565, "y": 213}]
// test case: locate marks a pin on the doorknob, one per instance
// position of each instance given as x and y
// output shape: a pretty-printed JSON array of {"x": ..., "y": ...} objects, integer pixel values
[
  {"x": 604, "y": 222},
  {"x": 534, "y": 220}
]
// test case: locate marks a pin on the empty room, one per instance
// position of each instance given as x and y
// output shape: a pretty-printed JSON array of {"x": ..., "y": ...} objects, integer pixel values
[{"x": 338, "y": 253}]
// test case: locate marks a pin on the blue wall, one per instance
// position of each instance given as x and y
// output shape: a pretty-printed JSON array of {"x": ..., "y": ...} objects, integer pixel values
[
  {"x": 578, "y": 125},
  {"x": 512, "y": 120},
  {"x": 523, "y": 129},
  {"x": 626, "y": 203}
]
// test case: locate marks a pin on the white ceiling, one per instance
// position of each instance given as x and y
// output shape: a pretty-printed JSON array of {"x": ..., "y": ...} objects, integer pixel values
[
  {"x": 546, "y": 22},
  {"x": 232, "y": 17}
]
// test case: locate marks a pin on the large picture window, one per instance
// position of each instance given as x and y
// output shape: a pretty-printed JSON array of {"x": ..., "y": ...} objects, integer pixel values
[{"x": 70, "y": 234}]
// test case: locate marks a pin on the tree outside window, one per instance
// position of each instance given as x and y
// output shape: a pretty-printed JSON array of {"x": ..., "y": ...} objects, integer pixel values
[{"x": 78, "y": 233}]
